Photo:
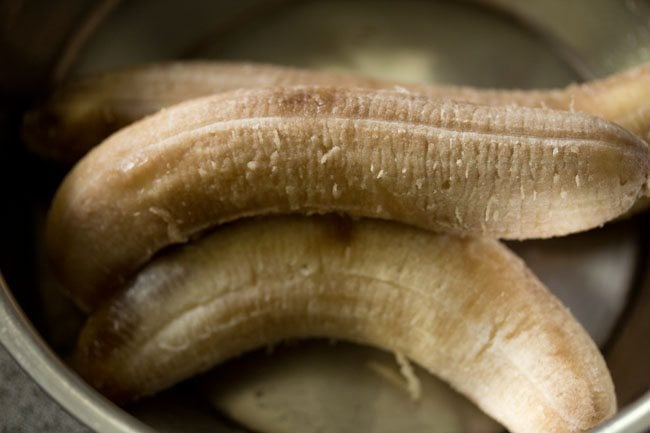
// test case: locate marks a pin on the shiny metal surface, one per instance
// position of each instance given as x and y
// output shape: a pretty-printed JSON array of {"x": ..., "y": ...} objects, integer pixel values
[
  {"x": 578, "y": 40},
  {"x": 633, "y": 419}
]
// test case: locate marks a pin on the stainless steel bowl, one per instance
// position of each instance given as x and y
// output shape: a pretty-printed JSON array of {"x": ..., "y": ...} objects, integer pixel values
[{"x": 522, "y": 43}]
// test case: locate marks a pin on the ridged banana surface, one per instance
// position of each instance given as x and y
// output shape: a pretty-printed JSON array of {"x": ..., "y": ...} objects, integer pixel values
[
  {"x": 513, "y": 173},
  {"x": 467, "y": 310},
  {"x": 80, "y": 114}
]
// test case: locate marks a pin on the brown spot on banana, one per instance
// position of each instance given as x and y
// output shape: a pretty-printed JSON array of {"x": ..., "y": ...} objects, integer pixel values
[
  {"x": 467, "y": 310},
  {"x": 441, "y": 165},
  {"x": 82, "y": 113},
  {"x": 79, "y": 115}
]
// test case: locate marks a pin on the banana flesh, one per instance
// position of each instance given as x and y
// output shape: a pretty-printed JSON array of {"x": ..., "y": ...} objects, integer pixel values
[
  {"x": 467, "y": 310},
  {"x": 79, "y": 115},
  {"x": 335, "y": 387},
  {"x": 504, "y": 172}
]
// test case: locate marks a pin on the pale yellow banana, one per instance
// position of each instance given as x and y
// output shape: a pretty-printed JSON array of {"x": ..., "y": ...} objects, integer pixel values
[
  {"x": 336, "y": 387},
  {"x": 79, "y": 115},
  {"x": 467, "y": 310},
  {"x": 504, "y": 172}
]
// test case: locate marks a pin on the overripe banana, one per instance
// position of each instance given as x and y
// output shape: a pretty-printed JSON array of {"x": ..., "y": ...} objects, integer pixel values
[
  {"x": 467, "y": 310},
  {"x": 505, "y": 172},
  {"x": 82, "y": 113}
]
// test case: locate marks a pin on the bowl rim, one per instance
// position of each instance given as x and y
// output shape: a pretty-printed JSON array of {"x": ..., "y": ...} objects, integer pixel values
[{"x": 47, "y": 370}]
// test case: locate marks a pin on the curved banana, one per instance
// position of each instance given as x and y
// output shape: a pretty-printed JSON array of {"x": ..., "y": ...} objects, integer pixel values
[
  {"x": 467, "y": 310},
  {"x": 452, "y": 167},
  {"x": 79, "y": 115},
  {"x": 82, "y": 113}
]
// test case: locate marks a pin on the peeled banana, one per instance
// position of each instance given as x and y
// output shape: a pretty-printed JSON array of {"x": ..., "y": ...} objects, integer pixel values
[
  {"x": 505, "y": 172},
  {"x": 467, "y": 310},
  {"x": 336, "y": 387},
  {"x": 79, "y": 115}
]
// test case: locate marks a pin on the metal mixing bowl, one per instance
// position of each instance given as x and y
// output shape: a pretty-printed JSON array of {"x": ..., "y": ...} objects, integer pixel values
[{"x": 468, "y": 42}]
